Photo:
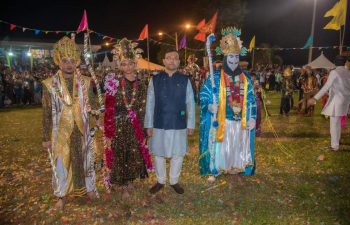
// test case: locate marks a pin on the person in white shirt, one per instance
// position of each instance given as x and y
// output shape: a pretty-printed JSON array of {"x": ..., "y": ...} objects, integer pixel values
[{"x": 338, "y": 102}]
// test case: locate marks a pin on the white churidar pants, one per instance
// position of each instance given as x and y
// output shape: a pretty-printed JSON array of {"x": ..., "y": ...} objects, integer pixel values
[
  {"x": 175, "y": 169},
  {"x": 335, "y": 128}
]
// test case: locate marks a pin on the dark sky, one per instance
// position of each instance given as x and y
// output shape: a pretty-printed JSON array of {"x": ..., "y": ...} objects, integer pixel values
[{"x": 286, "y": 23}]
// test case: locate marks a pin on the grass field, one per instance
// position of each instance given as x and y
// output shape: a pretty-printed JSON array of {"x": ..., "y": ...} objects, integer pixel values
[{"x": 291, "y": 185}]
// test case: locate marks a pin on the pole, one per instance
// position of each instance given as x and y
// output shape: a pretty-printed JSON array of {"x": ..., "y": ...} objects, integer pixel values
[
  {"x": 88, "y": 31},
  {"x": 149, "y": 73},
  {"x": 342, "y": 42},
  {"x": 253, "y": 58},
  {"x": 312, "y": 32},
  {"x": 185, "y": 56},
  {"x": 340, "y": 47},
  {"x": 177, "y": 47}
]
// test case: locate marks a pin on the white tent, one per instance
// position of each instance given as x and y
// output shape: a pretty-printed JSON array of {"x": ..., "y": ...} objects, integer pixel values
[
  {"x": 106, "y": 63},
  {"x": 142, "y": 64},
  {"x": 321, "y": 62}
]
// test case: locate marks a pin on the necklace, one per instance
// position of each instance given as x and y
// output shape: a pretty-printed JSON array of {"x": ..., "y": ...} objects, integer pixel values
[
  {"x": 129, "y": 105},
  {"x": 61, "y": 96}
]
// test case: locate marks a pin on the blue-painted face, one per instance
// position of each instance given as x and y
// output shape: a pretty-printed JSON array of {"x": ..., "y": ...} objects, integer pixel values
[{"x": 232, "y": 61}]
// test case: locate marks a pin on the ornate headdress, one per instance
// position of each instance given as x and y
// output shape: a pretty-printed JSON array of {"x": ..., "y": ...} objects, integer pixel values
[
  {"x": 124, "y": 50},
  {"x": 66, "y": 48},
  {"x": 231, "y": 43}
]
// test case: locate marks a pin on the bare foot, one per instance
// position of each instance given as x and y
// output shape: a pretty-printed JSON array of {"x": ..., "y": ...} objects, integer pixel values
[
  {"x": 131, "y": 186},
  {"x": 211, "y": 179},
  {"x": 126, "y": 195},
  {"x": 91, "y": 195},
  {"x": 239, "y": 178},
  {"x": 60, "y": 203}
]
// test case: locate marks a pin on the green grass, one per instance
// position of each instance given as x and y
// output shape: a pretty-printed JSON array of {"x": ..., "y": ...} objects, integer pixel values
[{"x": 290, "y": 186}]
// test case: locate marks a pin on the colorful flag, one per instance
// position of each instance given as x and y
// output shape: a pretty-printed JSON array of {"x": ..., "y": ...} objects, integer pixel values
[
  {"x": 339, "y": 15},
  {"x": 200, "y": 36},
  {"x": 144, "y": 33},
  {"x": 308, "y": 43},
  {"x": 210, "y": 26},
  {"x": 183, "y": 42},
  {"x": 84, "y": 23},
  {"x": 252, "y": 44},
  {"x": 206, "y": 28},
  {"x": 12, "y": 26}
]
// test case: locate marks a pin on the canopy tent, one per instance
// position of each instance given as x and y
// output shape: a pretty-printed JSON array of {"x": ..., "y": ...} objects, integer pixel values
[
  {"x": 321, "y": 62},
  {"x": 142, "y": 64}
]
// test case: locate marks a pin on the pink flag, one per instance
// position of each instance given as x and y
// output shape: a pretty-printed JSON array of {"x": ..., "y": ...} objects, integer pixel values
[{"x": 83, "y": 24}]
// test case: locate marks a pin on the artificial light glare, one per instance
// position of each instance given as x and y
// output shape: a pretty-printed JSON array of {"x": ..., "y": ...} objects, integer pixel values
[
  {"x": 160, "y": 33},
  {"x": 10, "y": 54},
  {"x": 107, "y": 44},
  {"x": 188, "y": 26},
  {"x": 88, "y": 55},
  {"x": 29, "y": 54}
]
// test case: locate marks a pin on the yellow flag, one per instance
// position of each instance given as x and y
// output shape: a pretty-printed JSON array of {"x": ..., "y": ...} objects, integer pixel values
[
  {"x": 252, "y": 44},
  {"x": 339, "y": 15}
]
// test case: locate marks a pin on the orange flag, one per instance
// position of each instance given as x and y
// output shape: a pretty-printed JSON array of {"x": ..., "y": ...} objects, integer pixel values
[
  {"x": 210, "y": 26},
  {"x": 144, "y": 33},
  {"x": 206, "y": 28}
]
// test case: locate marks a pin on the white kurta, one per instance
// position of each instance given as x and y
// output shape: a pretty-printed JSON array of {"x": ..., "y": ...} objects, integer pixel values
[
  {"x": 167, "y": 143},
  {"x": 338, "y": 85}
]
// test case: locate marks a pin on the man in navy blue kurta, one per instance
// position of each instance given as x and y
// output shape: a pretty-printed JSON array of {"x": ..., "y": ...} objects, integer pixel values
[{"x": 169, "y": 96}]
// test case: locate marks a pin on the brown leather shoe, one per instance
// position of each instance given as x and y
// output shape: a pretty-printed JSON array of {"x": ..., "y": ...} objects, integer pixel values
[
  {"x": 178, "y": 188},
  {"x": 156, "y": 188}
]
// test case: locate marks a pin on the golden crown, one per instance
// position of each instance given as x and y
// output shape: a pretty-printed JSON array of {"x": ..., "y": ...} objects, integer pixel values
[
  {"x": 66, "y": 48},
  {"x": 124, "y": 50},
  {"x": 230, "y": 42}
]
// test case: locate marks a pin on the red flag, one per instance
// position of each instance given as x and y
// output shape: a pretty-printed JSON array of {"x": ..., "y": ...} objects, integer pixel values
[
  {"x": 200, "y": 37},
  {"x": 84, "y": 23},
  {"x": 111, "y": 39},
  {"x": 201, "y": 24},
  {"x": 210, "y": 26},
  {"x": 144, "y": 33},
  {"x": 12, "y": 26}
]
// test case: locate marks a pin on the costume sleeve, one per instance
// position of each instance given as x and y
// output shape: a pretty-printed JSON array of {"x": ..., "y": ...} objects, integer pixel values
[
  {"x": 330, "y": 80},
  {"x": 191, "y": 107},
  {"x": 92, "y": 96},
  {"x": 47, "y": 114},
  {"x": 149, "y": 117},
  {"x": 142, "y": 107},
  {"x": 205, "y": 95}
]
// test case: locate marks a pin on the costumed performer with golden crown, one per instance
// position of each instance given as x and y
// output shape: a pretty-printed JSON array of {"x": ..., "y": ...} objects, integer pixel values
[
  {"x": 67, "y": 101},
  {"x": 127, "y": 155},
  {"x": 227, "y": 115}
]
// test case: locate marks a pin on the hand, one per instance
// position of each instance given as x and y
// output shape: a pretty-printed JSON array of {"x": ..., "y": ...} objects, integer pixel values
[
  {"x": 251, "y": 124},
  {"x": 144, "y": 141},
  {"x": 213, "y": 108},
  {"x": 190, "y": 131},
  {"x": 150, "y": 132},
  {"x": 108, "y": 142},
  {"x": 47, "y": 144},
  {"x": 98, "y": 122},
  {"x": 311, "y": 101}
]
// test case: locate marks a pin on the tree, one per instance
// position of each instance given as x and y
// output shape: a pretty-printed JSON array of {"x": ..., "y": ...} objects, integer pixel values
[{"x": 266, "y": 55}]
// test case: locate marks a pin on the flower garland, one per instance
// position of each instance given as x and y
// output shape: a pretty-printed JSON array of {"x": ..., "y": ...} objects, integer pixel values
[
  {"x": 111, "y": 87},
  {"x": 136, "y": 124},
  {"x": 128, "y": 106}
]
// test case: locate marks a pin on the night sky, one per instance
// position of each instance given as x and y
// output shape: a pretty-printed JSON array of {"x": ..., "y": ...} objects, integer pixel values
[{"x": 286, "y": 23}]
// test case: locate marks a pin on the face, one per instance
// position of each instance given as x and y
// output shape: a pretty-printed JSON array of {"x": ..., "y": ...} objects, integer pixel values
[
  {"x": 171, "y": 61},
  {"x": 308, "y": 71},
  {"x": 68, "y": 65},
  {"x": 128, "y": 66},
  {"x": 232, "y": 61}
]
